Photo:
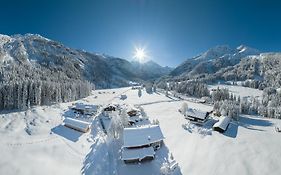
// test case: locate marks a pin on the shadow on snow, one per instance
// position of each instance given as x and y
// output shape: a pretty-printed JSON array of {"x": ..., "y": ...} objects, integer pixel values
[
  {"x": 232, "y": 130},
  {"x": 250, "y": 123},
  {"x": 69, "y": 134},
  {"x": 97, "y": 160}
]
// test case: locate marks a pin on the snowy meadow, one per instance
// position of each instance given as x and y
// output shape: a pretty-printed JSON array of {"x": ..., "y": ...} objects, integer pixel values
[{"x": 36, "y": 142}]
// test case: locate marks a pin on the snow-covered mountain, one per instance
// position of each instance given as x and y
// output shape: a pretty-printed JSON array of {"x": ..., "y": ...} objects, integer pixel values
[
  {"x": 213, "y": 60},
  {"x": 263, "y": 70},
  {"x": 40, "y": 55},
  {"x": 150, "y": 69},
  {"x": 245, "y": 64}
]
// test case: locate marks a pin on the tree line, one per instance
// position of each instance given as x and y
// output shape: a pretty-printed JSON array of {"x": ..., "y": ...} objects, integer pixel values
[{"x": 24, "y": 94}]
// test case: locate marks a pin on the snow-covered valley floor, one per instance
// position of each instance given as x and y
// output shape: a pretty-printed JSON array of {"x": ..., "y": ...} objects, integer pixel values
[{"x": 35, "y": 142}]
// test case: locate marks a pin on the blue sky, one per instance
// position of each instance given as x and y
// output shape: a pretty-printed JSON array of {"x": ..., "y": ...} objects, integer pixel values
[{"x": 171, "y": 30}]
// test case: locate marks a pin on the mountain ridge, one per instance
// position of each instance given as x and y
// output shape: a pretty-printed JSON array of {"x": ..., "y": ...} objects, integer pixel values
[
  {"x": 213, "y": 59},
  {"x": 36, "y": 51}
]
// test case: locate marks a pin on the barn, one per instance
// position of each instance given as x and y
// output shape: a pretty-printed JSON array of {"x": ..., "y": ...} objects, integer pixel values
[{"x": 222, "y": 124}]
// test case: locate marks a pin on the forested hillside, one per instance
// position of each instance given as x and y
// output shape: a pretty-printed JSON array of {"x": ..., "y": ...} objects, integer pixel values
[{"x": 37, "y": 71}]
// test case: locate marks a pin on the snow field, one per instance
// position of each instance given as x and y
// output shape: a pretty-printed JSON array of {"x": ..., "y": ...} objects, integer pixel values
[{"x": 35, "y": 142}]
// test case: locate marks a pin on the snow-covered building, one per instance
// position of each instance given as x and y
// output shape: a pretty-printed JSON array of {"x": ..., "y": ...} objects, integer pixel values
[
  {"x": 140, "y": 143},
  {"x": 204, "y": 99},
  {"x": 123, "y": 97},
  {"x": 135, "y": 155},
  {"x": 78, "y": 125},
  {"x": 110, "y": 108},
  {"x": 222, "y": 124},
  {"x": 132, "y": 111},
  {"x": 196, "y": 116},
  {"x": 85, "y": 109},
  {"x": 136, "y": 87}
]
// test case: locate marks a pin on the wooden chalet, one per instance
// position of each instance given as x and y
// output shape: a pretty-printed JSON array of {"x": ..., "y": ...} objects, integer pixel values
[
  {"x": 140, "y": 143},
  {"x": 196, "y": 116}
]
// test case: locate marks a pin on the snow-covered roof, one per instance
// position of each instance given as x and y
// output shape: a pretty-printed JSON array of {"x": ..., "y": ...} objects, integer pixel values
[
  {"x": 81, "y": 106},
  {"x": 222, "y": 123},
  {"x": 139, "y": 136},
  {"x": 76, "y": 124},
  {"x": 195, "y": 113},
  {"x": 110, "y": 107},
  {"x": 132, "y": 108},
  {"x": 137, "y": 153}
]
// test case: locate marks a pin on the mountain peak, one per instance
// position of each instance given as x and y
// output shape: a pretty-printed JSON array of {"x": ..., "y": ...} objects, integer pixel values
[
  {"x": 4, "y": 39},
  {"x": 214, "y": 59},
  {"x": 215, "y": 52},
  {"x": 247, "y": 50}
]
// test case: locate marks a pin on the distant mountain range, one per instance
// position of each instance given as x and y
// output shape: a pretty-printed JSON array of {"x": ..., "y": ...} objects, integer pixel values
[
  {"x": 231, "y": 64},
  {"x": 30, "y": 56},
  {"x": 213, "y": 60},
  {"x": 47, "y": 58}
]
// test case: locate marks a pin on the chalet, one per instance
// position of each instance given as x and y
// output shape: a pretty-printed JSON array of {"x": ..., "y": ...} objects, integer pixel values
[
  {"x": 136, "y": 87},
  {"x": 84, "y": 109},
  {"x": 134, "y": 83},
  {"x": 137, "y": 155},
  {"x": 140, "y": 143},
  {"x": 110, "y": 108},
  {"x": 196, "y": 116},
  {"x": 78, "y": 125},
  {"x": 222, "y": 124},
  {"x": 132, "y": 111}
]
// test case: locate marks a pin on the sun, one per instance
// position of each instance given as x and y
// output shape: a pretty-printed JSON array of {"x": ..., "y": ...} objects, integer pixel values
[{"x": 140, "y": 54}]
